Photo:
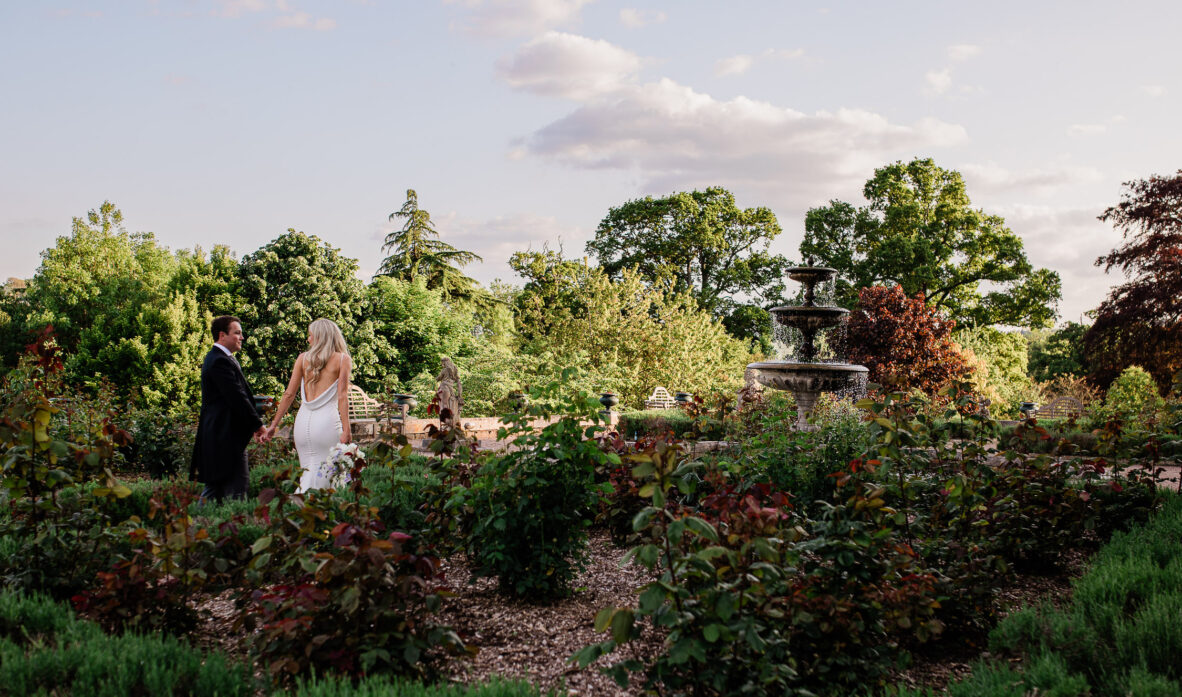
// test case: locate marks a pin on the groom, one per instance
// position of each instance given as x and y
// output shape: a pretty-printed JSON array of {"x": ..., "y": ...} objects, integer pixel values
[{"x": 228, "y": 417}]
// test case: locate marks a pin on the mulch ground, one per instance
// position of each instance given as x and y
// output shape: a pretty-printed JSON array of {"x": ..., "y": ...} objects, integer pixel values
[{"x": 533, "y": 641}]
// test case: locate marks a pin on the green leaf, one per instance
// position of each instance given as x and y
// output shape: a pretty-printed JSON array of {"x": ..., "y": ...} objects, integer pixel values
[
  {"x": 260, "y": 544},
  {"x": 603, "y": 618},
  {"x": 622, "y": 626}
]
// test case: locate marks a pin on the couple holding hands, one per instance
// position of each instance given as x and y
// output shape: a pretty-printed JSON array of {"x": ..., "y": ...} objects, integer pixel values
[{"x": 229, "y": 419}]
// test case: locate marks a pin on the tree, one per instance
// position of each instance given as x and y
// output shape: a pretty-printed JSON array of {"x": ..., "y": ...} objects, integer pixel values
[
  {"x": 418, "y": 325},
  {"x": 1057, "y": 353},
  {"x": 635, "y": 335},
  {"x": 999, "y": 362},
  {"x": 285, "y": 285},
  {"x": 919, "y": 231},
  {"x": 415, "y": 254},
  {"x": 906, "y": 344},
  {"x": 1140, "y": 322},
  {"x": 108, "y": 294},
  {"x": 707, "y": 245}
]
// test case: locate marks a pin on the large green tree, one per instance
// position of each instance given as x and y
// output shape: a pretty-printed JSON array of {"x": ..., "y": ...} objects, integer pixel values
[
  {"x": 920, "y": 231},
  {"x": 415, "y": 253},
  {"x": 108, "y": 294},
  {"x": 632, "y": 334},
  {"x": 1052, "y": 354},
  {"x": 707, "y": 245},
  {"x": 285, "y": 285},
  {"x": 418, "y": 324}
]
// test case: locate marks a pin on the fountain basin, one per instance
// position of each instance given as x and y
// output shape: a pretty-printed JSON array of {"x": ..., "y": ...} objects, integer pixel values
[
  {"x": 809, "y": 318},
  {"x": 807, "y": 380},
  {"x": 811, "y": 275}
]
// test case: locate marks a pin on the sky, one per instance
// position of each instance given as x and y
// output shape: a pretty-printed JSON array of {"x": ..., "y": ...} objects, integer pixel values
[{"x": 520, "y": 123}]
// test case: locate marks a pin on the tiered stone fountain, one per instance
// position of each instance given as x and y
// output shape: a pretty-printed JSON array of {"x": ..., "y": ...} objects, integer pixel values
[{"x": 802, "y": 373}]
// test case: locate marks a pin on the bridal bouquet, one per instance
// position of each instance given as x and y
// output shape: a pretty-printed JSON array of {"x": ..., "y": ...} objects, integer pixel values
[{"x": 342, "y": 460}]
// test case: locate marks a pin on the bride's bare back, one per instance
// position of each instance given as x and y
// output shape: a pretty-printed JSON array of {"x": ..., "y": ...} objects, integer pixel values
[{"x": 330, "y": 373}]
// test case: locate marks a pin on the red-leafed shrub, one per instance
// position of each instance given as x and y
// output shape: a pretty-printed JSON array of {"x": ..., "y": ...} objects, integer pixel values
[{"x": 905, "y": 344}]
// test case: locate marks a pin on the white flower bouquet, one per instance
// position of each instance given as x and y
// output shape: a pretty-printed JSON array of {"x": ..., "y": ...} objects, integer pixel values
[{"x": 342, "y": 460}]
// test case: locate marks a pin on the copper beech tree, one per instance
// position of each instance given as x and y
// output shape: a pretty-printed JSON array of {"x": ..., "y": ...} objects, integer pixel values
[
  {"x": 905, "y": 344},
  {"x": 1140, "y": 323}
]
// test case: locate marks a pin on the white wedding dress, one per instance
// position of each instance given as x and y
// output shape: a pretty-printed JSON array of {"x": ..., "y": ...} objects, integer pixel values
[{"x": 317, "y": 430}]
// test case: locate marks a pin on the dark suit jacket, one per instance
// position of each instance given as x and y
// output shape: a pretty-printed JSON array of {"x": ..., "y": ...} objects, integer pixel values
[{"x": 228, "y": 419}]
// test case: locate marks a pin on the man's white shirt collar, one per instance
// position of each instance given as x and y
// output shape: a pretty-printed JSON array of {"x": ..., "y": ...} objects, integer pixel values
[{"x": 225, "y": 349}]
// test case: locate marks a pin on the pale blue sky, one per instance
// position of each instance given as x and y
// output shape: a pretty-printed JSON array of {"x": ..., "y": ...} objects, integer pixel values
[{"x": 522, "y": 122}]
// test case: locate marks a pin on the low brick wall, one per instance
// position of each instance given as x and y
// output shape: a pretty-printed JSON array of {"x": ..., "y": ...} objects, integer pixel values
[{"x": 484, "y": 428}]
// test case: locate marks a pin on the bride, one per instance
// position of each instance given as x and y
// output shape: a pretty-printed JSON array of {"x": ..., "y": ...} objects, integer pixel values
[{"x": 321, "y": 374}]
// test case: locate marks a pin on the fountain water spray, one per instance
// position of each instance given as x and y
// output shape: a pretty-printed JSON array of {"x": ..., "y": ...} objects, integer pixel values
[{"x": 802, "y": 374}]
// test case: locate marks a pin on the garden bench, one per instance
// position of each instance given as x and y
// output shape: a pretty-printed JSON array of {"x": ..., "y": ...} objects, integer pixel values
[
  {"x": 1062, "y": 407},
  {"x": 362, "y": 406},
  {"x": 659, "y": 399}
]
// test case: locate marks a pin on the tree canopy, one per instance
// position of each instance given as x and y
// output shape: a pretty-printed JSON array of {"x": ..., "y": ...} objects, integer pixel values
[
  {"x": 414, "y": 253},
  {"x": 635, "y": 335},
  {"x": 1140, "y": 322},
  {"x": 920, "y": 231},
  {"x": 107, "y": 294},
  {"x": 285, "y": 285},
  {"x": 706, "y": 245}
]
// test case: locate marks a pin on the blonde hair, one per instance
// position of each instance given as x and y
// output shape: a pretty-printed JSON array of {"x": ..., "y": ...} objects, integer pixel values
[{"x": 326, "y": 340}]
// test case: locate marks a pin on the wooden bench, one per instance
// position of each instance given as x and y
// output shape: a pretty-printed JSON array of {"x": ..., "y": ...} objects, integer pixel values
[
  {"x": 362, "y": 406},
  {"x": 1063, "y": 407},
  {"x": 660, "y": 399}
]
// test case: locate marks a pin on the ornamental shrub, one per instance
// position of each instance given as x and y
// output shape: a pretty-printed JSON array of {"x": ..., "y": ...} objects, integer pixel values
[
  {"x": 352, "y": 599},
  {"x": 529, "y": 508},
  {"x": 1133, "y": 399},
  {"x": 905, "y": 344}
]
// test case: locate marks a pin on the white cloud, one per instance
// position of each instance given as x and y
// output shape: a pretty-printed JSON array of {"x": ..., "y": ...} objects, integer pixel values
[
  {"x": 938, "y": 81},
  {"x": 1068, "y": 240},
  {"x": 236, "y": 8},
  {"x": 634, "y": 19},
  {"x": 283, "y": 14},
  {"x": 1153, "y": 90},
  {"x": 735, "y": 65},
  {"x": 1086, "y": 129},
  {"x": 570, "y": 66},
  {"x": 519, "y": 17},
  {"x": 962, "y": 52},
  {"x": 303, "y": 20},
  {"x": 674, "y": 137},
  {"x": 992, "y": 178}
]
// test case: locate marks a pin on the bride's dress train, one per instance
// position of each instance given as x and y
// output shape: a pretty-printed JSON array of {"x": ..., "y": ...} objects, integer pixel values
[{"x": 317, "y": 430}]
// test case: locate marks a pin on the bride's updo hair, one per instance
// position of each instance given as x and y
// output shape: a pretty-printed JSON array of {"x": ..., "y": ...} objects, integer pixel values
[{"x": 326, "y": 340}]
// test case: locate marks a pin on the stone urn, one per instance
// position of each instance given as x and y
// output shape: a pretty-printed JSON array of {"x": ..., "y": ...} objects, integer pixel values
[
  {"x": 405, "y": 402},
  {"x": 609, "y": 400}
]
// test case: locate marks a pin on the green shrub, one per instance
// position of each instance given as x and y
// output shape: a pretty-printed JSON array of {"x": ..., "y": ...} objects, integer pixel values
[
  {"x": 634, "y": 425},
  {"x": 756, "y": 600},
  {"x": 399, "y": 492},
  {"x": 1133, "y": 399},
  {"x": 1121, "y": 635},
  {"x": 103, "y": 665},
  {"x": 162, "y": 441},
  {"x": 1142, "y": 683},
  {"x": 530, "y": 507},
  {"x": 34, "y": 618},
  {"x": 355, "y": 600}
]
